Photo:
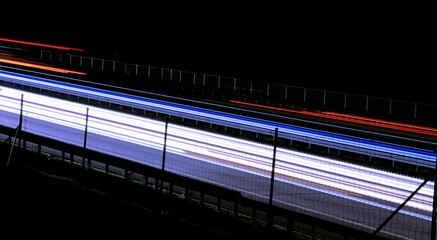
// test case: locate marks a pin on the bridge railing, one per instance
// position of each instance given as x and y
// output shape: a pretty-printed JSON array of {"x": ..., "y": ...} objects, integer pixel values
[{"x": 279, "y": 94}]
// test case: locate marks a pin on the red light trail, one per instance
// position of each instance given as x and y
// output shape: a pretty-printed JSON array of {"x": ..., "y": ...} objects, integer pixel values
[
  {"x": 41, "y": 45},
  {"x": 354, "y": 119}
]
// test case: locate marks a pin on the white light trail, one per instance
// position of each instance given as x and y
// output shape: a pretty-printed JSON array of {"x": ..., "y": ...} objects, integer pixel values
[
  {"x": 215, "y": 148},
  {"x": 263, "y": 126}
]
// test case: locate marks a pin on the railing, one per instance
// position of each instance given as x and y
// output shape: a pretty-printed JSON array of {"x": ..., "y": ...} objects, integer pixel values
[{"x": 275, "y": 94}]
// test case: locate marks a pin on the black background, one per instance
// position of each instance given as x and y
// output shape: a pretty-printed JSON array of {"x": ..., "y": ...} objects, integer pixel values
[{"x": 385, "y": 51}]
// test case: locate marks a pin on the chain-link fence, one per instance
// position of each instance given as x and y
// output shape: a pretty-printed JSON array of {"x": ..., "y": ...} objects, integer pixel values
[{"x": 358, "y": 197}]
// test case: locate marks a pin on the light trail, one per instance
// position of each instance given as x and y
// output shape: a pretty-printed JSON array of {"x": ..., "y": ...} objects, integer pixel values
[
  {"x": 39, "y": 66},
  {"x": 263, "y": 126},
  {"x": 40, "y": 45},
  {"x": 315, "y": 172},
  {"x": 352, "y": 118}
]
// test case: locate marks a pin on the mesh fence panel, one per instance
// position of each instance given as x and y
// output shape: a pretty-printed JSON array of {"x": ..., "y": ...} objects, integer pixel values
[{"x": 351, "y": 195}]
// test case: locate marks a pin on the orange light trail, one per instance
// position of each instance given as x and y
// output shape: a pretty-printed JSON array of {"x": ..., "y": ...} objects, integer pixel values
[
  {"x": 41, "y": 45},
  {"x": 354, "y": 119},
  {"x": 53, "y": 69}
]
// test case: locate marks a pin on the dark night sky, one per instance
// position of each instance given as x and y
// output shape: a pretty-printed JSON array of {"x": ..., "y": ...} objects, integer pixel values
[{"x": 377, "y": 50}]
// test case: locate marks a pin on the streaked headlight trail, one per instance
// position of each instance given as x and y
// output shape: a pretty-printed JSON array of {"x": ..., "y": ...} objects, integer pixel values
[
  {"x": 39, "y": 66},
  {"x": 226, "y": 119},
  {"x": 327, "y": 175}
]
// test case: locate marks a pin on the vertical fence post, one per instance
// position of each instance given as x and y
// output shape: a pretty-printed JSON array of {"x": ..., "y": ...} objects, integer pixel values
[
  {"x": 235, "y": 84},
  {"x": 415, "y": 111},
  {"x": 20, "y": 124},
  {"x": 272, "y": 181},
  {"x": 17, "y": 132},
  {"x": 390, "y": 107},
  {"x": 345, "y": 101},
  {"x": 194, "y": 79},
  {"x": 164, "y": 151},
  {"x": 85, "y": 138},
  {"x": 148, "y": 72},
  {"x": 367, "y": 103},
  {"x": 268, "y": 89}
]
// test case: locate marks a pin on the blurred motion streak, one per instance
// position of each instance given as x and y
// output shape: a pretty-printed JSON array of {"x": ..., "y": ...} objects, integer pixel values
[
  {"x": 53, "y": 69},
  {"x": 41, "y": 45},
  {"x": 353, "y": 119}
]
